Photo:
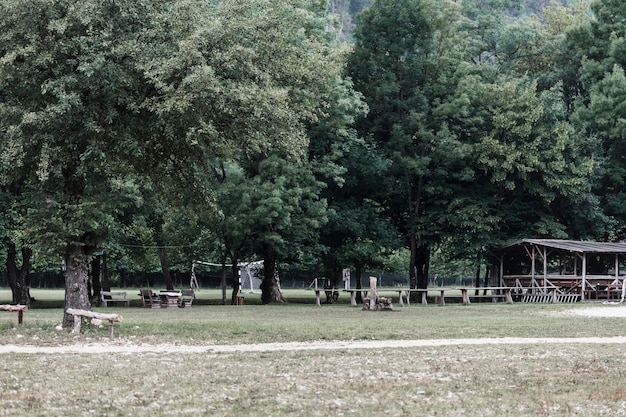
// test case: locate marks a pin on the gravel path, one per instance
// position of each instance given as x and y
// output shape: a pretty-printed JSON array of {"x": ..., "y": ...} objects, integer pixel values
[{"x": 99, "y": 348}]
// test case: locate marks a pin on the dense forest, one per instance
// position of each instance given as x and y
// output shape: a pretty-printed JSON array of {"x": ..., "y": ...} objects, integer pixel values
[{"x": 406, "y": 136}]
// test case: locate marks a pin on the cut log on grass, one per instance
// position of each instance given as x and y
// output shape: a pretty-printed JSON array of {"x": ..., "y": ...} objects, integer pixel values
[
  {"x": 96, "y": 318},
  {"x": 381, "y": 303}
]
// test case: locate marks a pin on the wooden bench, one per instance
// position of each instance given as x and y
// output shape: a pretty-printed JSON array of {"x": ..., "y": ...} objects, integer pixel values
[
  {"x": 112, "y": 297},
  {"x": 20, "y": 309},
  {"x": 503, "y": 292},
  {"x": 96, "y": 319},
  {"x": 186, "y": 298},
  {"x": 423, "y": 295}
]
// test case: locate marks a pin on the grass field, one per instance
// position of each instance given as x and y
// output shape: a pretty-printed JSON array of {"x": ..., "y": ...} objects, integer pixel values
[{"x": 528, "y": 379}]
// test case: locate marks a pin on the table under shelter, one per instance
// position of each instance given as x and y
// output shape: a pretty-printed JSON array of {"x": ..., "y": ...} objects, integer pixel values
[{"x": 562, "y": 270}]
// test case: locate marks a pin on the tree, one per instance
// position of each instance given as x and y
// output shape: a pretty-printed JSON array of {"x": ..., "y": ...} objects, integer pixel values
[
  {"x": 70, "y": 101},
  {"x": 289, "y": 215},
  {"x": 598, "y": 54},
  {"x": 479, "y": 154},
  {"x": 299, "y": 65},
  {"x": 404, "y": 64},
  {"x": 358, "y": 234}
]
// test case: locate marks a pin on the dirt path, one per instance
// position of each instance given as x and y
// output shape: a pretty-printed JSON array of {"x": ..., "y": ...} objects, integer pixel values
[{"x": 113, "y": 347}]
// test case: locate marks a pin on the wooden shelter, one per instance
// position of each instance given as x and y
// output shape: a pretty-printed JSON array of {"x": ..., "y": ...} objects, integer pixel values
[{"x": 562, "y": 270}]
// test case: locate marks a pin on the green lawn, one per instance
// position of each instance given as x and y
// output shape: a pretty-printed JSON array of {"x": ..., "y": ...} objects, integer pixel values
[{"x": 479, "y": 380}]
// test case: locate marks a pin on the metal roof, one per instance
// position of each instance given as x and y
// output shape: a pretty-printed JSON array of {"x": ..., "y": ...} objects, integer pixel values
[{"x": 571, "y": 245}]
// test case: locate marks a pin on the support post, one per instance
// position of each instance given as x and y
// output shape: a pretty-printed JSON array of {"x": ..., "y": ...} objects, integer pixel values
[{"x": 373, "y": 294}]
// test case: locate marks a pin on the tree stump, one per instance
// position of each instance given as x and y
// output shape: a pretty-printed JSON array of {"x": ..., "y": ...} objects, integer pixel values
[{"x": 381, "y": 303}]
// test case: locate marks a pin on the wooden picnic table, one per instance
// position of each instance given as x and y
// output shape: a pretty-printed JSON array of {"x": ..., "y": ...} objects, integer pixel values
[
  {"x": 495, "y": 292},
  {"x": 169, "y": 298}
]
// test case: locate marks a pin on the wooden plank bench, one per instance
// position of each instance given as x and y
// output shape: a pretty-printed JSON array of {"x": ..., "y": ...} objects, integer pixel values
[
  {"x": 96, "y": 319},
  {"x": 364, "y": 292},
  {"x": 505, "y": 292},
  {"x": 20, "y": 309},
  {"x": 112, "y": 297},
  {"x": 423, "y": 295}
]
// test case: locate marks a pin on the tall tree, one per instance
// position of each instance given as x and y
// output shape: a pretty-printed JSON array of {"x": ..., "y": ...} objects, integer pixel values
[
  {"x": 478, "y": 151},
  {"x": 70, "y": 95},
  {"x": 404, "y": 63},
  {"x": 598, "y": 53}
]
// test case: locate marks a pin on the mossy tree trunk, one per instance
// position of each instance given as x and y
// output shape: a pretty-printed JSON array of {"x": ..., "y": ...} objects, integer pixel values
[{"x": 76, "y": 276}]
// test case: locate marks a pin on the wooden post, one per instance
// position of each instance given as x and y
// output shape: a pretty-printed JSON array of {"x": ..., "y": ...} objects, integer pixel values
[
  {"x": 77, "y": 322},
  {"x": 373, "y": 294},
  {"x": 509, "y": 298}
]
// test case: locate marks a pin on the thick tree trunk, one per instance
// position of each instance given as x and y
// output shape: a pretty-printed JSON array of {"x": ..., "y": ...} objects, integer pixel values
[
  {"x": 18, "y": 277},
  {"x": 270, "y": 293},
  {"x": 76, "y": 276},
  {"x": 166, "y": 269},
  {"x": 422, "y": 266}
]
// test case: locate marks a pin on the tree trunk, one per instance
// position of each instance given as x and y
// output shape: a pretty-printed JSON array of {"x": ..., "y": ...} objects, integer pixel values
[
  {"x": 422, "y": 266},
  {"x": 106, "y": 282},
  {"x": 223, "y": 283},
  {"x": 413, "y": 284},
  {"x": 477, "y": 279},
  {"x": 76, "y": 276},
  {"x": 235, "y": 281},
  {"x": 167, "y": 278},
  {"x": 18, "y": 277},
  {"x": 96, "y": 286},
  {"x": 269, "y": 287},
  {"x": 358, "y": 271}
]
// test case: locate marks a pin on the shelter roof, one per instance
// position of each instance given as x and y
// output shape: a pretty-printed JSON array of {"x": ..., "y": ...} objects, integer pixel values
[{"x": 569, "y": 245}]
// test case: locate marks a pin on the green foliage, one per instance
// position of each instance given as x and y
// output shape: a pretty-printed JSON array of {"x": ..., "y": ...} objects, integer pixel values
[{"x": 599, "y": 109}]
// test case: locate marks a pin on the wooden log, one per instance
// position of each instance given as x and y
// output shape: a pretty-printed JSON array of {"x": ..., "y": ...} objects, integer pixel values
[
  {"x": 19, "y": 308},
  {"x": 79, "y": 314}
]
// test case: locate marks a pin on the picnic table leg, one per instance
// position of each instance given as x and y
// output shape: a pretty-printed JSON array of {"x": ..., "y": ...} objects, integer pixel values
[
  {"x": 110, "y": 329},
  {"x": 442, "y": 300},
  {"x": 408, "y": 297},
  {"x": 507, "y": 293},
  {"x": 317, "y": 298},
  {"x": 77, "y": 322},
  {"x": 400, "y": 296},
  {"x": 424, "y": 297},
  {"x": 465, "y": 296},
  {"x": 353, "y": 298},
  {"x": 20, "y": 316}
]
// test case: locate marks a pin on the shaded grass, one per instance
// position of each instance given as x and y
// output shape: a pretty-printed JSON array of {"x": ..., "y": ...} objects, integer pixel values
[{"x": 305, "y": 322}]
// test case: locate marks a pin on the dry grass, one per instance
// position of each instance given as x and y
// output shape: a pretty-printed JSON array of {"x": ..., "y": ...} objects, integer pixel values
[
  {"x": 559, "y": 380},
  {"x": 482, "y": 380}
]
